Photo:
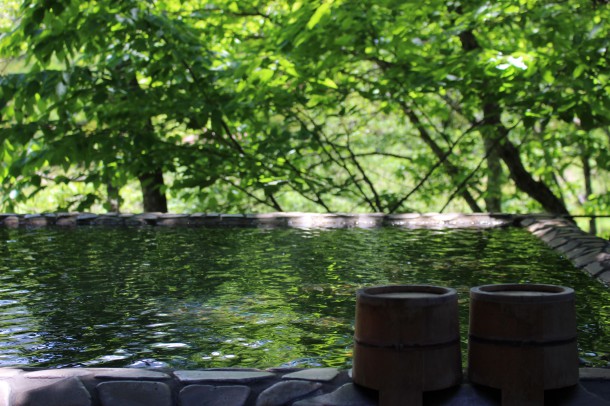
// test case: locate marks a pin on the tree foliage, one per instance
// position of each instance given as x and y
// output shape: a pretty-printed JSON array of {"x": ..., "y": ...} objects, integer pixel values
[{"x": 375, "y": 105}]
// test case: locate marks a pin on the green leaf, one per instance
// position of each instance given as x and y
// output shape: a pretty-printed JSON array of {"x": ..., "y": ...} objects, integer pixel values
[
  {"x": 578, "y": 71},
  {"x": 329, "y": 83},
  {"x": 319, "y": 13}
]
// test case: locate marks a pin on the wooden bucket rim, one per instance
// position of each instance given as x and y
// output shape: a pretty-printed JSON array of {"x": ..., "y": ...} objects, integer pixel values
[
  {"x": 372, "y": 294},
  {"x": 548, "y": 293}
]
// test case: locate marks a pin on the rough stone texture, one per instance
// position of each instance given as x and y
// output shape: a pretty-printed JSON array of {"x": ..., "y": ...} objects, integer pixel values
[
  {"x": 590, "y": 258},
  {"x": 590, "y": 253},
  {"x": 139, "y": 374},
  {"x": 5, "y": 392},
  {"x": 207, "y": 395},
  {"x": 284, "y": 392},
  {"x": 558, "y": 242},
  {"x": 604, "y": 277},
  {"x": 134, "y": 393},
  {"x": 56, "y": 373},
  {"x": 596, "y": 268},
  {"x": 234, "y": 376},
  {"x": 346, "y": 395},
  {"x": 314, "y": 374},
  {"x": 594, "y": 373},
  {"x": 66, "y": 221},
  {"x": 49, "y": 389},
  {"x": 49, "y": 392},
  {"x": 9, "y": 372},
  {"x": 11, "y": 221},
  {"x": 296, "y": 219}
]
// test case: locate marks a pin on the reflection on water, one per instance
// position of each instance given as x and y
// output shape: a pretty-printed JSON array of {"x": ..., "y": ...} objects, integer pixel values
[{"x": 189, "y": 298}]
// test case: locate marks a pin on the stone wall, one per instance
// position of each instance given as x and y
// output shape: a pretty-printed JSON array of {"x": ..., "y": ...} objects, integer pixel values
[{"x": 243, "y": 387}]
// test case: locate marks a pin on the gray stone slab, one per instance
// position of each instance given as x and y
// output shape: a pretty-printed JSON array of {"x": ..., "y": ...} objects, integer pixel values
[
  {"x": 283, "y": 393},
  {"x": 9, "y": 372},
  {"x": 557, "y": 242},
  {"x": 542, "y": 232},
  {"x": 5, "y": 393},
  {"x": 538, "y": 226},
  {"x": 234, "y": 376},
  {"x": 314, "y": 374},
  {"x": 597, "y": 268},
  {"x": 11, "y": 222},
  {"x": 589, "y": 259},
  {"x": 547, "y": 237},
  {"x": 582, "y": 252},
  {"x": 134, "y": 393},
  {"x": 208, "y": 395},
  {"x": 346, "y": 395},
  {"x": 56, "y": 373},
  {"x": 568, "y": 247},
  {"x": 49, "y": 392},
  {"x": 128, "y": 374},
  {"x": 594, "y": 373},
  {"x": 604, "y": 277}
]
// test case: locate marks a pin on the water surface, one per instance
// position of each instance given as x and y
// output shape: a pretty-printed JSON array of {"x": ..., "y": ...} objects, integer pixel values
[{"x": 195, "y": 298}]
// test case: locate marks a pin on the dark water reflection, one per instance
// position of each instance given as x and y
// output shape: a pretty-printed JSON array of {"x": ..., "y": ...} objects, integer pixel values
[{"x": 217, "y": 298}]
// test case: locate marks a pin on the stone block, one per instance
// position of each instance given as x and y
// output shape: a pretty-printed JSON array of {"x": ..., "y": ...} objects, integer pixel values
[
  {"x": 34, "y": 220},
  {"x": 134, "y": 393},
  {"x": 5, "y": 393},
  {"x": 207, "y": 395},
  {"x": 604, "y": 277},
  {"x": 108, "y": 220},
  {"x": 587, "y": 259},
  {"x": 69, "y": 221},
  {"x": 56, "y": 373},
  {"x": 9, "y": 372},
  {"x": 49, "y": 392},
  {"x": 11, "y": 221},
  {"x": 557, "y": 242},
  {"x": 597, "y": 268},
  {"x": 346, "y": 395},
  {"x": 286, "y": 392},
  {"x": 314, "y": 374},
  {"x": 232, "y": 376},
  {"x": 594, "y": 373},
  {"x": 128, "y": 374}
]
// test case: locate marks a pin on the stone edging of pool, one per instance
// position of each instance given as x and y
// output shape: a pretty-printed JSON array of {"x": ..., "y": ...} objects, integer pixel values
[
  {"x": 585, "y": 251},
  {"x": 242, "y": 387}
]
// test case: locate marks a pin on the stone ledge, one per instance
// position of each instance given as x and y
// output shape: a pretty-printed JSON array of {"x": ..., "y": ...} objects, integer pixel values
[
  {"x": 266, "y": 220},
  {"x": 585, "y": 251},
  {"x": 308, "y": 387}
]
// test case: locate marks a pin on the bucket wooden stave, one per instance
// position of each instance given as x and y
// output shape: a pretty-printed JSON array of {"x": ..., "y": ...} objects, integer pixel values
[
  {"x": 522, "y": 340},
  {"x": 406, "y": 341}
]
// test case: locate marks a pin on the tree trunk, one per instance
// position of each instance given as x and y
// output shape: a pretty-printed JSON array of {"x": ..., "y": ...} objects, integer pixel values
[
  {"x": 537, "y": 190},
  {"x": 493, "y": 198},
  {"x": 586, "y": 168},
  {"x": 450, "y": 168},
  {"x": 153, "y": 196},
  {"x": 113, "y": 199},
  {"x": 524, "y": 181}
]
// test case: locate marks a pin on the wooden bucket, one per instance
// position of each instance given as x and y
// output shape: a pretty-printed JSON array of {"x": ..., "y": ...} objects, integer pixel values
[
  {"x": 406, "y": 341},
  {"x": 522, "y": 340}
]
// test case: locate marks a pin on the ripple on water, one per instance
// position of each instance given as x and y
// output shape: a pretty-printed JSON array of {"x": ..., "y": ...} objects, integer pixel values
[{"x": 260, "y": 298}]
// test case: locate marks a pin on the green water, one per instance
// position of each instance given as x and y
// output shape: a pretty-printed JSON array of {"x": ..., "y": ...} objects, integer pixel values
[{"x": 194, "y": 298}]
